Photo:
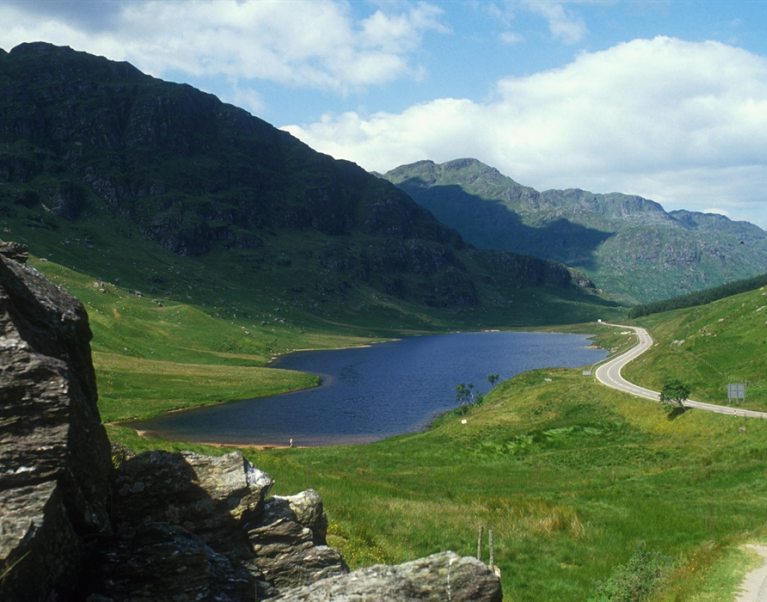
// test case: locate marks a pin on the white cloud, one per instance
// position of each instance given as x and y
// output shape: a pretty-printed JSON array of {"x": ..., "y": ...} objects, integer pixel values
[
  {"x": 683, "y": 123},
  {"x": 307, "y": 43},
  {"x": 510, "y": 38},
  {"x": 564, "y": 25}
]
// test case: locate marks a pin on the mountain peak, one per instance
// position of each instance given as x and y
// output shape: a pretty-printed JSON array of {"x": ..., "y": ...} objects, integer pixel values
[
  {"x": 630, "y": 246},
  {"x": 92, "y": 145}
]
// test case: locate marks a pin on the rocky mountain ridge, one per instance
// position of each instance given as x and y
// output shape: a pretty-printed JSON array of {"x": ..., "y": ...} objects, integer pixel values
[
  {"x": 161, "y": 526},
  {"x": 92, "y": 146},
  {"x": 630, "y": 246}
]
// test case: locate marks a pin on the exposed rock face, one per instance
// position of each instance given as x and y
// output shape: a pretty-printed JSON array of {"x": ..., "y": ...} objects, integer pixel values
[
  {"x": 194, "y": 527},
  {"x": 54, "y": 454},
  {"x": 443, "y": 576},
  {"x": 289, "y": 542}
]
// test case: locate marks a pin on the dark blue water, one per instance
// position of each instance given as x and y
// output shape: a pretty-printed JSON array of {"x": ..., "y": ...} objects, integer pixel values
[{"x": 374, "y": 392}]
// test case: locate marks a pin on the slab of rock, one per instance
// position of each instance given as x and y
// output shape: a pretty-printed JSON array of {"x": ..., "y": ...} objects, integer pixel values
[
  {"x": 158, "y": 561},
  {"x": 206, "y": 495},
  {"x": 219, "y": 504},
  {"x": 55, "y": 463},
  {"x": 436, "y": 578},
  {"x": 288, "y": 541}
]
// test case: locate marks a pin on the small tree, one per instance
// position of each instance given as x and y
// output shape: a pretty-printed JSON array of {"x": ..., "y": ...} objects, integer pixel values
[
  {"x": 464, "y": 394},
  {"x": 493, "y": 379},
  {"x": 674, "y": 393}
]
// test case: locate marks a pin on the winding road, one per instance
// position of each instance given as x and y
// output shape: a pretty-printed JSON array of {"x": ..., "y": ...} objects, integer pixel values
[{"x": 609, "y": 374}]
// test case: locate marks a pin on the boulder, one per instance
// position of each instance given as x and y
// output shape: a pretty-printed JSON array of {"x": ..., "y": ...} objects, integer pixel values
[
  {"x": 443, "y": 576},
  {"x": 288, "y": 542},
  {"x": 206, "y": 495},
  {"x": 159, "y": 561},
  {"x": 214, "y": 510},
  {"x": 55, "y": 463}
]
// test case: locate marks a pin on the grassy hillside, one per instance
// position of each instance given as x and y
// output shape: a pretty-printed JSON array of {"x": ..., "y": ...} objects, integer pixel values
[
  {"x": 115, "y": 173},
  {"x": 584, "y": 487},
  {"x": 572, "y": 477},
  {"x": 709, "y": 346}
]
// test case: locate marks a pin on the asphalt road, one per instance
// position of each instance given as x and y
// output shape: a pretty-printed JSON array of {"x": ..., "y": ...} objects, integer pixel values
[{"x": 609, "y": 374}]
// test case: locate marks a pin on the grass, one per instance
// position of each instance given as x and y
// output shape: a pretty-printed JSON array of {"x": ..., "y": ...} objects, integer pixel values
[
  {"x": 708, "y": 347},
  {"x": 572, "y": 477},
  {"x": 134, "y": 388}
]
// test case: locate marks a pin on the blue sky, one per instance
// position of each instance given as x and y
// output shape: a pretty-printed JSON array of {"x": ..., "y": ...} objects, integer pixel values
[{"x": 662, "y": 98}]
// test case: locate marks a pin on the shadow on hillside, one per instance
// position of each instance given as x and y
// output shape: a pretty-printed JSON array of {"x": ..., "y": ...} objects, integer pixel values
[
  {"x": 489, "y": 224},
  {"x": 676, "y": 412}
]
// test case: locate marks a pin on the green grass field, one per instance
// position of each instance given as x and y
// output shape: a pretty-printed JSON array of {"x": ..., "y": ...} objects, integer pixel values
[
  {"x": 574, "y": 479},
  {"x": 709, "y": 346}
]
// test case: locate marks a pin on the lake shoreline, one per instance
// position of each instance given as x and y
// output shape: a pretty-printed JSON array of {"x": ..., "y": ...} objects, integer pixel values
[{"x": 373, "y": 392}]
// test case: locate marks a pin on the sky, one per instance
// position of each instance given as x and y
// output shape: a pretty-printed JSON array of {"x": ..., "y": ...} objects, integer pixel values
[{"x": 666, "y": 99}]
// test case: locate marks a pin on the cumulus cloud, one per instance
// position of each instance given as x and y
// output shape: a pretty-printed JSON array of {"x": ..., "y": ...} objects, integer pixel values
[
  {"x": 310, "y": 43},
  {"x": 681, "y": 122}
]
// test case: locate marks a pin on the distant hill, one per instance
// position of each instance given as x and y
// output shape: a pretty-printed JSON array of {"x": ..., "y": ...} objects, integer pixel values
[
  {"x": 115, "y": 173},
  {"x": 630, "y": 247},
  {"x": 702, "y": 297}
]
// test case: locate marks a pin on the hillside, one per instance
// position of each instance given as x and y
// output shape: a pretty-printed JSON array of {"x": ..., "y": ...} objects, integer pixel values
[
  {"x": 629, "y": 246},
  {"x": 160, "y": 186},
  {"x": 582, "y": 486},
  {"x": 709, "y": 346}
]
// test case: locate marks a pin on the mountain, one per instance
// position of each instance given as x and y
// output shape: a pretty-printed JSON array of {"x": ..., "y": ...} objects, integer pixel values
[
  {"x": 118, "y": 174},
  {"x": 629, "y": 246}
]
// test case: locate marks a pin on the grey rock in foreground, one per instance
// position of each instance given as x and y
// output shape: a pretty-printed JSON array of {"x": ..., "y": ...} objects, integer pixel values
[
  {"x": 54, "y": 454},
  {"x": 195, "y": 527},
  {"x": 443, "y": 576},
  {"x": 288, "y": 541}
]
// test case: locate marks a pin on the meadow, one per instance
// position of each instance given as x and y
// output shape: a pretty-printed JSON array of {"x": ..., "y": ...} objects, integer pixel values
[
  {"x": 709, "y": 346},
  {"x": 588, "y": 491}
]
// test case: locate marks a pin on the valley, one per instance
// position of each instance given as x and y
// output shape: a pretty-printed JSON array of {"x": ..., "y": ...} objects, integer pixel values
[{"x": 204, "y": 243}]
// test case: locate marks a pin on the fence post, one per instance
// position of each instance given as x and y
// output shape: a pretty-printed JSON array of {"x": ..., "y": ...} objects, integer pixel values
[{"x": 479, "y": 544}]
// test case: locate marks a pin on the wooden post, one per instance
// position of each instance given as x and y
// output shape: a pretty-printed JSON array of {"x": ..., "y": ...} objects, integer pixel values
[
  {"x": 479, "y": 544},
  {"x": 492, "y": 547}
]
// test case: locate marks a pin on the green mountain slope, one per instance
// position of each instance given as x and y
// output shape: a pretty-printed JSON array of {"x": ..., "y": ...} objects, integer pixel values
[
  {"x": 628, "y": 245},
  {"x": 121, "y": 175}
]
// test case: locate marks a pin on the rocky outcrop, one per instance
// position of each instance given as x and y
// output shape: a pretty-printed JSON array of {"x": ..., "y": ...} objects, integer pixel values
[
  {"x": 209, "y": 514},
  {"x": 443, "y": 576},
  {"x": 289, "y": 542},
  {"x": 163, "y": 526},
  {"x": 54, "y": 454}
]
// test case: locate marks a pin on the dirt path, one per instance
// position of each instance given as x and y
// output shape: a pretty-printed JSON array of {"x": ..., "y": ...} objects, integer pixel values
[{"x": 754, "y": 586}]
